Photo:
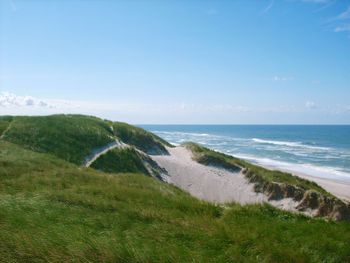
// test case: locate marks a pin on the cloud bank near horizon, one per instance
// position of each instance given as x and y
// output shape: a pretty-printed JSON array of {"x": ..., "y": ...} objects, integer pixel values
[{"x": 12, "y": 104}]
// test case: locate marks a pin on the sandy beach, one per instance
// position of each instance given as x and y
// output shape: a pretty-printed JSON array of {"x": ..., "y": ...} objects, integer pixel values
[
  {"x": 205, "y": 182},
  {"x": 339, "y": 189},
  {"x": 212, "y": 184},
  {"x": 222, "y": 186}
]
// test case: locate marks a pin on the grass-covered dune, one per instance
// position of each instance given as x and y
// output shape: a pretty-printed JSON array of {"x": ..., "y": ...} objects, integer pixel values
[
  {"x": 141, "y": 139},
  {"x": 70, "y": 137},
  {"x": 4, "y": 123},
  {"x": 73, "y": 137},
  {"x": 211, "y": 157},
  {"x": 278, "y": 185},
  {"x": 54, "y": 211},
  {"x": 121, "y": 160}
]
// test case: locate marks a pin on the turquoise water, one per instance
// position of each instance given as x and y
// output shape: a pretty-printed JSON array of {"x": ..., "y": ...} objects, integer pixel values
[{"x": 322, "y": 151}]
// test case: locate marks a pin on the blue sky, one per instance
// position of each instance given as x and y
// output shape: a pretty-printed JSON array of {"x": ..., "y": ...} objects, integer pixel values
[{"x": 239, "y": 62}]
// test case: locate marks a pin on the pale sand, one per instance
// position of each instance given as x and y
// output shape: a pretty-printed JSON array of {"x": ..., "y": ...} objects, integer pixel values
[
  {"x": 213, "y": 184},
  {"x": 206, "y": 182},
  {"x": 338, "y": 189}
]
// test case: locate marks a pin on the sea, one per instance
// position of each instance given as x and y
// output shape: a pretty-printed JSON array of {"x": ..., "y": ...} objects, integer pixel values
[{"x": 316, "y": 150}]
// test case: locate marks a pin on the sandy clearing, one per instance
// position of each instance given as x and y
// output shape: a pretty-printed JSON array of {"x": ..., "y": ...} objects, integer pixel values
[
  {"x": 214, "y": 184},
  {"x": 206, "y": 182}
]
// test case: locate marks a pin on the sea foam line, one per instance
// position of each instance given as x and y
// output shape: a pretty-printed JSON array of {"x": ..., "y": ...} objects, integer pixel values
[
  {"x": 290, "y": 144},
  {"x": 332, "y": 173}
]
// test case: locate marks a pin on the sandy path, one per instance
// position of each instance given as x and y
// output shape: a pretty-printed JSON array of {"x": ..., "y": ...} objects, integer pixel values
[
  {"x": 102, "y": 150},
  {"x": 6, "y": 130},
  {"x": 206, "y": 182}
]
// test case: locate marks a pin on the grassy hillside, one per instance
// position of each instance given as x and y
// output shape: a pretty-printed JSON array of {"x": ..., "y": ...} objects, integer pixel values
[
  {"x": 141, "y": 139},
  {"x": 73, "y": 137},
  {"x": 119, "y": 161},
  {"x": 4, "y": 123},
  {"x": 70, "y": 137},
  {"x": 52, "y": 210}
]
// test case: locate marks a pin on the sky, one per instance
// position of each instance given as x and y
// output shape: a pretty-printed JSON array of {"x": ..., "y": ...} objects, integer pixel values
[{"x": 178, "y": 62}]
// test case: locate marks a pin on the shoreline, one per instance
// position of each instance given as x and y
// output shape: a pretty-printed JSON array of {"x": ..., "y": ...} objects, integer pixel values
[
  {"x": 218, "y": 185},
  {"x": 338, "y": 188}
]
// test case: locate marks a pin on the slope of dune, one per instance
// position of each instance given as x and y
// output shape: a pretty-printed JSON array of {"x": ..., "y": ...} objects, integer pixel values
[{"x": 53, "y": 209}]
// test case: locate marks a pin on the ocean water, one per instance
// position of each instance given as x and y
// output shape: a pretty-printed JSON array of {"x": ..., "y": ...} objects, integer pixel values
[{"x": 316, "y": 150}]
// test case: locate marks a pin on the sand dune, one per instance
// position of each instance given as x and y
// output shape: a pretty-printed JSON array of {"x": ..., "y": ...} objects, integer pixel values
[
  {"x": 205, "y": 182},
  {"x": 214, "y": 184}
]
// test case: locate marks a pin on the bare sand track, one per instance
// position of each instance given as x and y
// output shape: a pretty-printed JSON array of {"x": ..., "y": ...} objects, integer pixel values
[
  {"x": 206, "y": 182},
  {"x": 100, "y": 151},
  {"x": 6, "y": 130}
]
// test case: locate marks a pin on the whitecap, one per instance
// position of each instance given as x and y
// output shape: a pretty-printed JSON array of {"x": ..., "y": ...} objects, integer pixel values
[
  {"x": 290, "y": 144},
  {"x": 334, "y": 173}
]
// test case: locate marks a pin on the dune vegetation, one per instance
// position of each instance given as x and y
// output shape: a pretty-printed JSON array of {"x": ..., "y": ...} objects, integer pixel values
[
  {"x": 210, "y": 157},
  {"x": 278, "y": 185},
  {"x": 119, "y": 161},
  {"x": 53, "y": 210},
  {"x": 73, "y": 137},
  {"x": 68, "y": 137},
  {"x": 4, "y": 123},
  {"x": 141, "y": 139}
]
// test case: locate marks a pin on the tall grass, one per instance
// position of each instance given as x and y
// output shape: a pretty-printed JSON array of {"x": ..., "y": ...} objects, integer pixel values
[
  {"x": 70, "y": 137},
  {"x": 4, "y": 123},
  {"x": 73, "y": 137},
  {"x": 55, "y": 211},
  {"x": 119, "y": 161},
  {"x": 141, "y": 139}
]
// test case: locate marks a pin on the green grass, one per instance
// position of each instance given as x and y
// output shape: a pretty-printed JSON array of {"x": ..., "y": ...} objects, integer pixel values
[
  {"x": 119, "y": 161},
  {"x": 55, "y": 211},
  {"x": 4, "y": 123},
  {"x": 141, "y": 139},
  {"x": 210, "y": 157},
  {"x": 70, "y": 137},
  {"x": 73, "y": 137}
]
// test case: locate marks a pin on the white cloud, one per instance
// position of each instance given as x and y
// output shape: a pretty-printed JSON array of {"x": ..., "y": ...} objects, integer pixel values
[
  {"x": 13, "y": 5},
  {"x": 8, "y": 99},
  {"x": 342, "y": 28},
  {"x": 344, "y": 15},
  {"x": 279, "y": 78},
  {"x": 317, "y": 1},
  {"x": 267, "y": 9},
  {"x": 310, "y": 105},
  {"x": 340, "y": 23},
  {"x": 337, "y": 23},
  {"x": 201, "y": 108},
  {"x": 161, "y": 112}
]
